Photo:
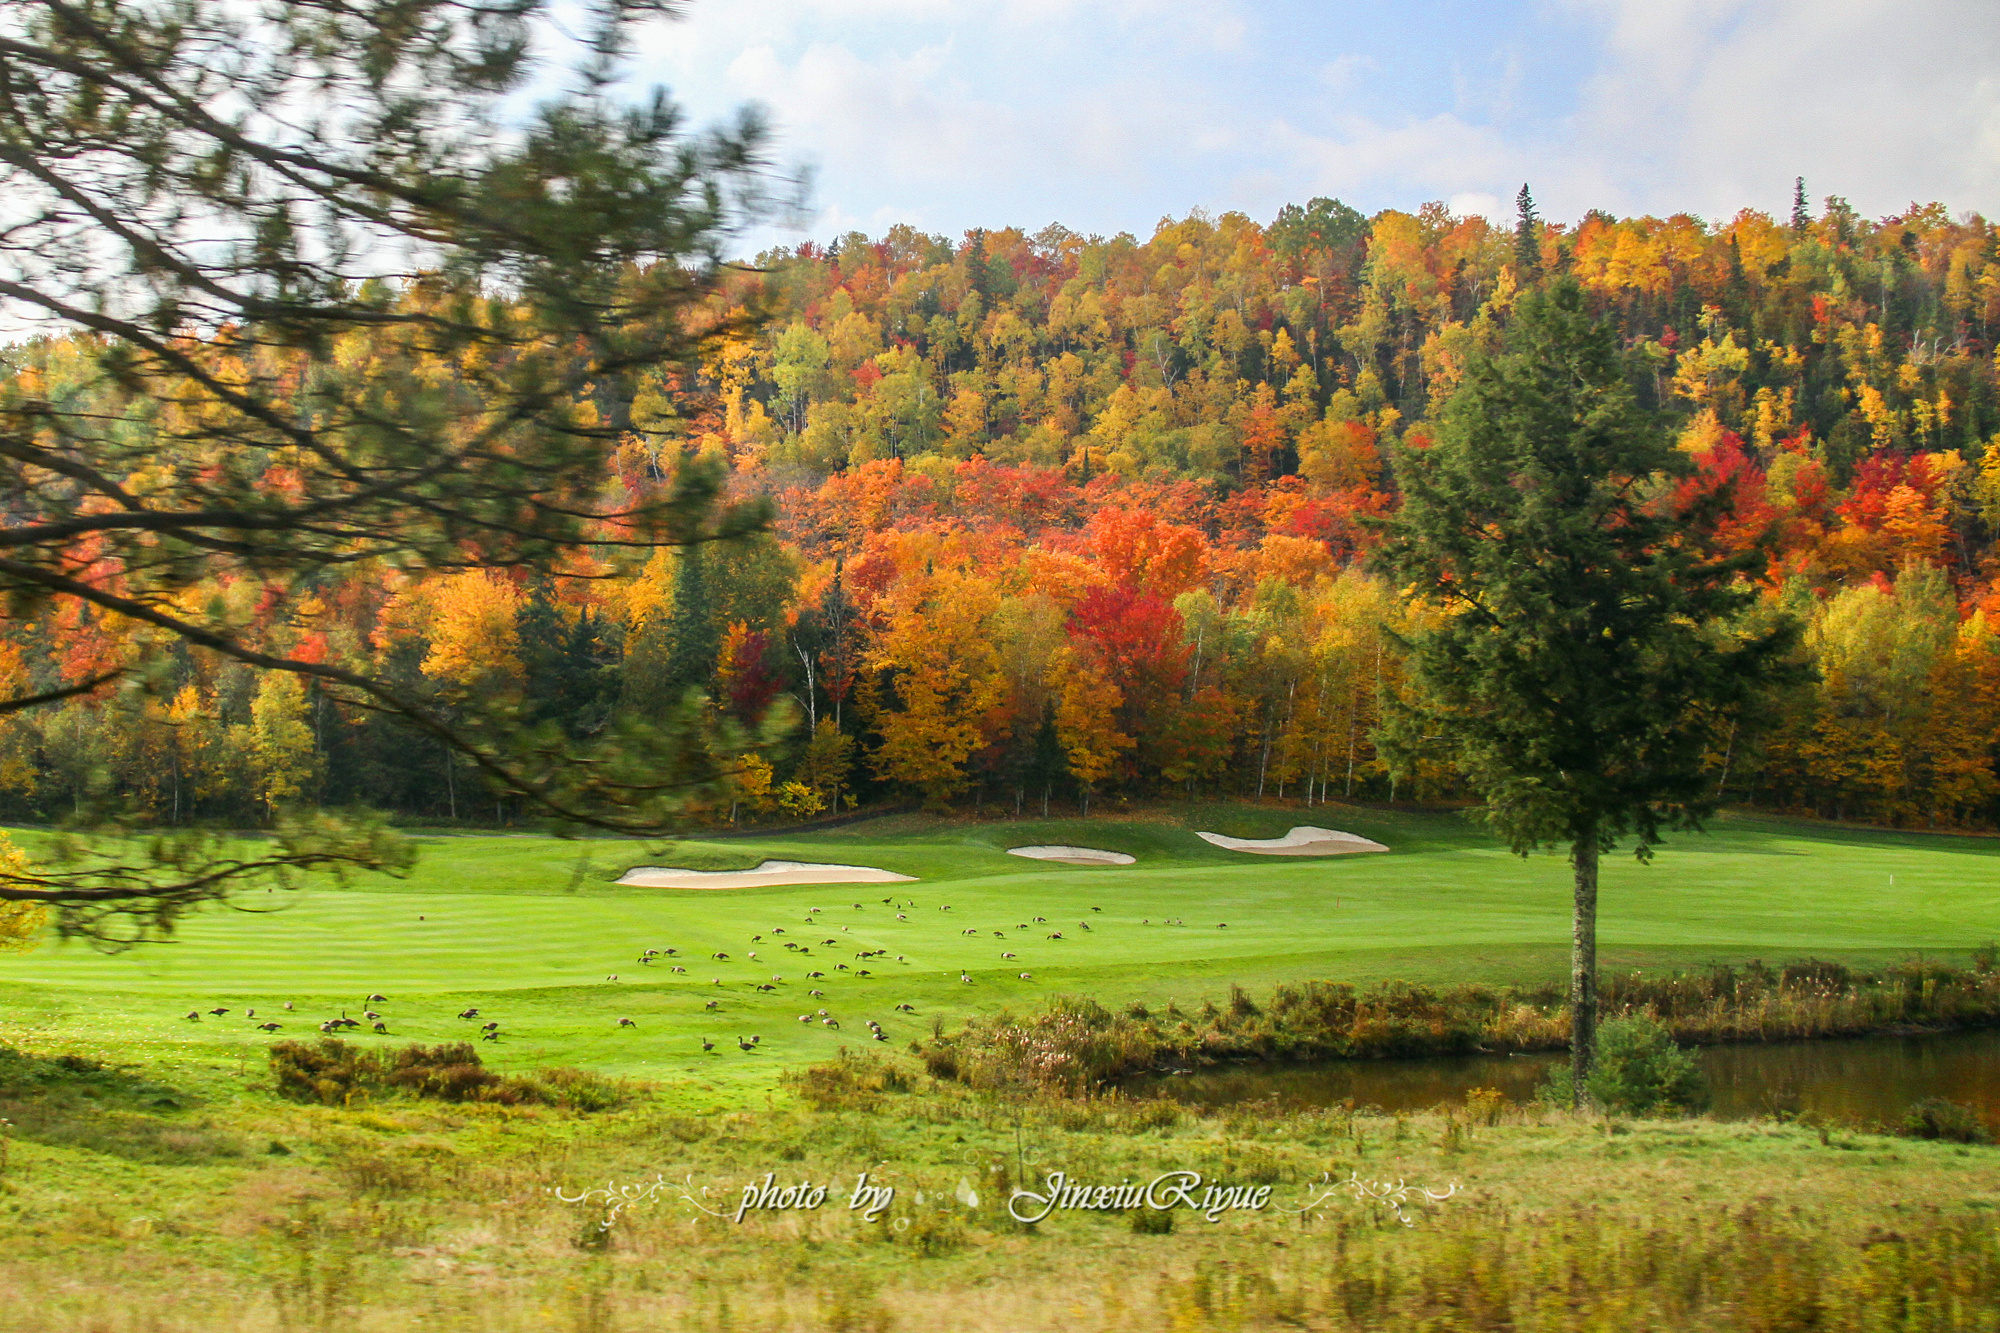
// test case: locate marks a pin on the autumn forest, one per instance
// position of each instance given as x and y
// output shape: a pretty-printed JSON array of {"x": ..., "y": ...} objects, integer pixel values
[{"x": 1062, "y": 518}]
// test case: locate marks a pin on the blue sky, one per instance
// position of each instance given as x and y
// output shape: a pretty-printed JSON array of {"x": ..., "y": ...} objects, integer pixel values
[{"x": 1106, "y": 115}]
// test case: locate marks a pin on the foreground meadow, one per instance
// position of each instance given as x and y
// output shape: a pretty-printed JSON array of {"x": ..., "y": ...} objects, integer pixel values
[{"x": 238, "y": 1211}]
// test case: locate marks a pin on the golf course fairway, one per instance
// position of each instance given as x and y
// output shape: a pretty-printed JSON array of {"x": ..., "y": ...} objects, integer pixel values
[{"x": 530, "y": 932}]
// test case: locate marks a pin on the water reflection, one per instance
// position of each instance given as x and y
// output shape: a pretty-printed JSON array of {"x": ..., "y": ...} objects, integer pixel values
[{"x": 1868, "y": 1079}]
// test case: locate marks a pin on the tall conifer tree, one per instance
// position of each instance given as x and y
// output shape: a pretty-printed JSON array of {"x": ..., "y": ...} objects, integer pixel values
[{"x": 1593, "y": 644}]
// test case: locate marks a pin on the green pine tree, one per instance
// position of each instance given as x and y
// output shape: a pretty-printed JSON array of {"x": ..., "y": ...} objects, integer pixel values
[
  {"x": 1593, "y": 646},
  {"x": 1527, "y": 238}
]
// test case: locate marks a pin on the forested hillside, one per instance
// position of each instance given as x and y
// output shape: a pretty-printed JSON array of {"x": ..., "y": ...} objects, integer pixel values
[{"x": 1070, "y": 518}]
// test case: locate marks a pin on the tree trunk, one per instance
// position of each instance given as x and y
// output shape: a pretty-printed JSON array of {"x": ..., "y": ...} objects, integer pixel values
[{"x": 1583, "y": 966}]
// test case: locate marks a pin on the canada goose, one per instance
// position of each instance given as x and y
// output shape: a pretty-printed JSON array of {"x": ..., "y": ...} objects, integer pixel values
[
  {"x": 754, "y": 1039},
  {"x": 489, "y": 1027},
  {"x": 249, "y": 1013},
  {"x": 885, "y": 902},
  {"x": 626, "y": 1023},
  {"x": 1041, "y": 920},
  {"x": 1026, "y": 977},
  {"x": 816, "y": 993},
  {"x": 748, "y": 1046},
  {"x": 719, "y": 954},
  {"x": 678, "y": 968},
  {"x": 288, "y": 1004},
  {"x": 831, "y": 1022},
  {"x": 766, "y": 988},
  {"x": 756, "y": 939},
  {"x": 966, "y": 979},
  {"x": 777, "y": 930},
  {"x": 752, "y": 953},
  {"x": 1097, "y": 909},
  {"x": 219, "y": 1011},
  {"x": 1006, "y": 955},
  {"x": 381, "y": 1027},
  {"x": 371, "y": 1015},
  {"x": 468, "y": 1013},
  {"x": 194, "y": 1015},
  {"x": 1055, "y": 934},
  {"x": 378, "y": 999},
  {"x": 707, "y": 1045},
  {"x": 711, "y": 1004},
  {"x": 880, "y": 1035},
  {"x": 907, "y": 1008},
  {"x": 805, "y": 1018},
  {"x": 1222, "y": 925},
  {"x": 267, "y": 1027},
  {"x": 901, "y": 917},
  {"x": 489, "y": 1036}
]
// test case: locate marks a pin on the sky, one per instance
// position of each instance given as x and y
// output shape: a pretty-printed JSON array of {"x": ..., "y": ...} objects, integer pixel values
[{"x": 1108, "y": 115}]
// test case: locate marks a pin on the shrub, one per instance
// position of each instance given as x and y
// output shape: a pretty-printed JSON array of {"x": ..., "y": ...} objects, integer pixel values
[
  {"x": 849, "y": 1081},
  {"x": 333, "y": 1073},
  {"x": 1936, "y": 1118},
  {"x": 1640, "y": 1070},
  {"x": 581, "y": 1090},
  {"x": 1152, "y": 1221}
]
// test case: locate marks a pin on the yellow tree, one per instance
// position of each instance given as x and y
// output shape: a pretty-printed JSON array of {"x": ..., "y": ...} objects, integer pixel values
[
  {"x": 474, "y": 642},
  {"x": 1086, "y": 719},
  {"x": 20, "y": 923},
  {"x": 945, "y": 677},
  {"x": 281, "y": 744}
]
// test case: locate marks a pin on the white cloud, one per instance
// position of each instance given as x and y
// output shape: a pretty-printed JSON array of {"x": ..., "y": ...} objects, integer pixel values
[
  {"x": 1713, "y": 105},
  {"x": 1105, "y": 114}
]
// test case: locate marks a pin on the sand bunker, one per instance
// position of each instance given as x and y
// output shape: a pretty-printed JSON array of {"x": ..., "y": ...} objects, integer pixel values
[
  {"x": 1073, "y": 856},
  {"x": 771, "y": 872},
  {"x": 1301, "y": 841}
]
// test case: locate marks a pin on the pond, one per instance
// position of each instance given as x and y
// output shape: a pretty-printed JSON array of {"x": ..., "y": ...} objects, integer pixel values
[{"x": 1859, "y": 1080}]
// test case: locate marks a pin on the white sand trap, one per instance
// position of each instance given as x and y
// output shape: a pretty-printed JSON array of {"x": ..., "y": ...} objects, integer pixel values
[
  {"x": 1301, "y": 841},
  {"x": 1073, "y": 856},
  {"x": 770, "y": 872}
]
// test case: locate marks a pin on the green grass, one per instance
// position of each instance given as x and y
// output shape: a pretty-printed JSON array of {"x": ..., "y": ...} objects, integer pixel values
[{"x": 529, "y": 929}]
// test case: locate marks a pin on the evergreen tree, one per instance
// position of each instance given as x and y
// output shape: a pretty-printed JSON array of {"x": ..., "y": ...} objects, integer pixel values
[
  {"x": 1801, "y": 215},
  {"x": 692, "y": 640},
  {"x": 1527, "y": 237},
  {"x": 1592, "y": 647}
]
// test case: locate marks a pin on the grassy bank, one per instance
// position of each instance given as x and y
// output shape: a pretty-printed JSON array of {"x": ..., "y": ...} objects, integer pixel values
[
  {"x": 232, "y": 1209},
  {"x": 1076, "y": 1045}
]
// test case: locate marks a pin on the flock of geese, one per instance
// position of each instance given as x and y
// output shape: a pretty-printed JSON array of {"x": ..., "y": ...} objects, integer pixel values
[{"x": 490, "y": 1031}]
